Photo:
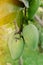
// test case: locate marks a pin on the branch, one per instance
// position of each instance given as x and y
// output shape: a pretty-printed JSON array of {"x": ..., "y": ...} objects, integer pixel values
[{"x": 38, "y": 20}]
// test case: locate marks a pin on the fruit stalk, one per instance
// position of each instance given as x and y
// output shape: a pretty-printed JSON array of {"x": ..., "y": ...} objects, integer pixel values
[
  {"x": 20, "y": 61},
  {"x": 18, "y": 31}
]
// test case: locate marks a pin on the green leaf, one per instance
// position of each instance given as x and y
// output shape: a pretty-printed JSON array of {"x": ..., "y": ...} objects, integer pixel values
[
  {"x": 33, "y": 6},
  {"x": 19, "y": 18}
]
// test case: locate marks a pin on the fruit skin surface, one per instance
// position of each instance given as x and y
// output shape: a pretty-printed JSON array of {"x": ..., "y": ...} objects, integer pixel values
[
  {"x": 31, "y": 36},
  {"x": 33, "y": 6},
  {"x": 15, "y": 45}
]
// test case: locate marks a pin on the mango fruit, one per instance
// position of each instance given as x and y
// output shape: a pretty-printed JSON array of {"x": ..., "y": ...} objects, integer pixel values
[
  {"x": 31, "y": 36},
  {"x": 16, "y": 45}
]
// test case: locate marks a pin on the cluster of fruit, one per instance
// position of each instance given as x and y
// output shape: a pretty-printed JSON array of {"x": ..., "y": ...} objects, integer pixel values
[
  {"x": 27, "y": 34},
  {"x": 18, "y": 32}
]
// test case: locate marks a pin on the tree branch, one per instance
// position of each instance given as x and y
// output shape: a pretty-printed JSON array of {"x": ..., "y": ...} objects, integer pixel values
[{"x": 38, "y": 20}]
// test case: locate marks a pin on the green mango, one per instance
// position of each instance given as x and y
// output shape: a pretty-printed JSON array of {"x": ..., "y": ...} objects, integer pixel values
[
  {"x": 16, "y": 45},
  {"x": 33, "y": 6},
  {"x": 19, "y": 18},
  {"x": 31, "y": 36}
]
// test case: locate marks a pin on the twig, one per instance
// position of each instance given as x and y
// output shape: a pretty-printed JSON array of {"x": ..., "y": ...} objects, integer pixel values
[
  {"x": 17, "y": 31},
  {"x": 38, "y": 20}
]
